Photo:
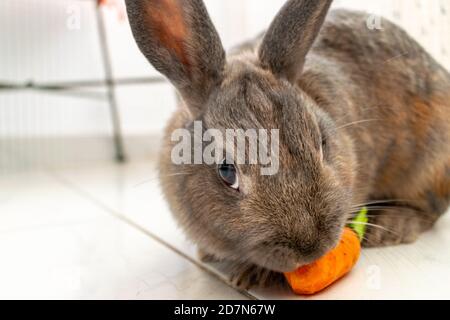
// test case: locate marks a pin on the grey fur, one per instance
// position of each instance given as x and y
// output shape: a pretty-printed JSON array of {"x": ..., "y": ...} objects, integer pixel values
[
  {"x": 291, "y": 35},
  {"x": 203, "y": 48}
]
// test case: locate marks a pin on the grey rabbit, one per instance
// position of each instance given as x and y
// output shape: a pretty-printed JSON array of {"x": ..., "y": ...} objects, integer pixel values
[{"x": 364, "y": 120}]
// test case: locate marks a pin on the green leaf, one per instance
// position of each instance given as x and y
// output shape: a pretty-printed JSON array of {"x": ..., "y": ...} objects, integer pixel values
[{"x": 359, "y": 224}]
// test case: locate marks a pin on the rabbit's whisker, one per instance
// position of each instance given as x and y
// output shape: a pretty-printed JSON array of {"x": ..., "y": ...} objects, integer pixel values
[
  {"x": 360, "y": 205},
  {"x": 355, "y": 123},
  {"x": 375, "y": 226}
]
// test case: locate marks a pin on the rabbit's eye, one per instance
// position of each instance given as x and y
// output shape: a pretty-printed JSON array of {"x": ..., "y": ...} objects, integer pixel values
[
  {"x": 323, "y": 148},
  {"x": 324, "y": 143},
  {"x": 228, "y": 174}
]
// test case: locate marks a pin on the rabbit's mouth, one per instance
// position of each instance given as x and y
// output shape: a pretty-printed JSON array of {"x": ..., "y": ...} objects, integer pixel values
[{"x": 284, "y": 257}]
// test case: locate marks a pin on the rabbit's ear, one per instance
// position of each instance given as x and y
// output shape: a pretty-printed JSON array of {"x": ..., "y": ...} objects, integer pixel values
[
  {"x": 180, "y": 41},
  {"x": 291, "y": 35}
]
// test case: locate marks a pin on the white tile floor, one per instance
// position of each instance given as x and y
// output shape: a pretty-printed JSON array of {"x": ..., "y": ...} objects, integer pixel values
[{"x": 105, "y": 232}]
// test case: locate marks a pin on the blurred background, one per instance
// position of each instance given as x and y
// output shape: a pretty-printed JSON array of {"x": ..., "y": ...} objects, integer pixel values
[
  {"x": 81, "y": 117},
  {"x": 75, "y": 89}
]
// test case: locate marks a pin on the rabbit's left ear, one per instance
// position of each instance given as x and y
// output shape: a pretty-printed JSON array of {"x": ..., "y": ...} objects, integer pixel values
[
  {"x": 291, "y": 35},
  {"x": 180, "y": 41}
]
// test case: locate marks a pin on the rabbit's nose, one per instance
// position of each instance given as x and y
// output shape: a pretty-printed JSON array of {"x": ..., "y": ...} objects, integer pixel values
[
  {"x": 308, "y": 251},
  {"x": 307, "y": 248}
]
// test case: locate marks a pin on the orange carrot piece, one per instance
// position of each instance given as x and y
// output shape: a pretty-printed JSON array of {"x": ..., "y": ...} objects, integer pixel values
[{"x": 315, "y": 277}]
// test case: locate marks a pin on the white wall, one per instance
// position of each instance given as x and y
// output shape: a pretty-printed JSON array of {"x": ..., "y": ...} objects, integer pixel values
[{"x": 37, "y": 42}]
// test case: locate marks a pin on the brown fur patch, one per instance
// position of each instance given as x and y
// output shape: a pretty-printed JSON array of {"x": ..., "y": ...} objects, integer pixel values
[
  {"x": 423, "y": 116},
  {"x": 166, "y": 19}
]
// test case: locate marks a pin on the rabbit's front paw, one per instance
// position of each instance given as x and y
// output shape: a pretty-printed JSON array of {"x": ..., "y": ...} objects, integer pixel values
[
  {"x": 249, "y": 276},
  {"x": 205, "y": 257},
  {"x": 393, "y": 227}
]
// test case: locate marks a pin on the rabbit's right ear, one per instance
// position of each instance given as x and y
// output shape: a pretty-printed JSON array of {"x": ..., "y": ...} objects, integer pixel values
[
  {"x": 180, "y": 41},
  {"x": 291, "y": 35}
]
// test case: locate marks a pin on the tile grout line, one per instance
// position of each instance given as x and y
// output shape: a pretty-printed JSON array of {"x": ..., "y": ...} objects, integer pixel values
[{"x": 83, "y": 193}]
